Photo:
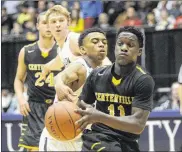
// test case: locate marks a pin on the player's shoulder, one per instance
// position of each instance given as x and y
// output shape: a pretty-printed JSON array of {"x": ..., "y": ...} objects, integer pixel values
[
  {"x": 142, "y": 75},
  {"x": 30, "y": 48},
  {"x": 74, "y": 35},
  {"x": 31, "y": 45},
  {"x": 103, "y": 70}
]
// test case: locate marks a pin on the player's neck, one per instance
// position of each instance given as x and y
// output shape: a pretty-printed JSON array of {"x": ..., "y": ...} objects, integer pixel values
[
  {"x": 45, "y": 43},
  {"x": 92, "y": 63},
  {"x": 61, "y": 39},
  {"x": 124, "y": 69}
]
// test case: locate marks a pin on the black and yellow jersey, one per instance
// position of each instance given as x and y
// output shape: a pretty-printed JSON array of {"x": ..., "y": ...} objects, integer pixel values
[
  {"x": 39, "y": 90},
  {"x": 117, "y": 96}
]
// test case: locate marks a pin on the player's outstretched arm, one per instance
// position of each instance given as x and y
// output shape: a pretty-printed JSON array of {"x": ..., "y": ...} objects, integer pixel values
[
  {"x": 19, "y": 84},
  {"x": 55, "y": 64},
  {"x": 69, "y": 80}
]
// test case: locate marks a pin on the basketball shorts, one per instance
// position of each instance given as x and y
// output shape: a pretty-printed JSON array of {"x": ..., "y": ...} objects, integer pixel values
[
  {"x": 96, "y": 141},
  {"x": 32, "y": 126},
  {"x": 48, "y": 143}
]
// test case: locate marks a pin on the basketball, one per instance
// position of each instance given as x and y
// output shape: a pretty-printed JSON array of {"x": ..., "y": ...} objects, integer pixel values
[{"x": 60, "y": 120}]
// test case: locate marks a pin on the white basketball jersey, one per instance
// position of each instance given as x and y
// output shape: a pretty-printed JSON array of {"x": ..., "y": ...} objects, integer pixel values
[
  {"x": 65, "y": 52},
  {"x": 85, "y": 64}
]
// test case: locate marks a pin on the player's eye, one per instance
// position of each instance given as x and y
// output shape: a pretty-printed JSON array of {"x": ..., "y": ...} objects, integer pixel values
[
  {"x": 131, "y": 45},
  {"x": 95, "y": 41},
  {"x": 53, "y": 21},
  {"x": 120, "y": 43},
  {"x": 104, "y": 41}
]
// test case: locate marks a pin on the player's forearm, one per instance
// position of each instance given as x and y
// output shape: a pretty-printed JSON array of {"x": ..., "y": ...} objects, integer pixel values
[
  {"x": 19, "y": 88},
  {"x": 55, "y": 65},
  {"x": 125, "y": 123}
]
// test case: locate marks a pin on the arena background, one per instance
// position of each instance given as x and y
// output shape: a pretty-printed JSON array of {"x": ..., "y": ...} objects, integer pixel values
[{"x": 162, "y": 57}]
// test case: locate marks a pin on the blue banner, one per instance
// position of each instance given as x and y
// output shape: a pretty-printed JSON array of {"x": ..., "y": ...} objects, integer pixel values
[{"x": 163, "y": 132}]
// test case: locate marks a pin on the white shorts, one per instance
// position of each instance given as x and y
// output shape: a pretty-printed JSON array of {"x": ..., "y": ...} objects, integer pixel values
[{"x": 48, "y": 143}]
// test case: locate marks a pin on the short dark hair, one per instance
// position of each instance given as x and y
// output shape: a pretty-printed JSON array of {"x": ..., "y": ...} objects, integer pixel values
[
  {"x": 86, "y": 32},
  {"x": 135, "y": 31},
  {"x": 38, "y": 18}
]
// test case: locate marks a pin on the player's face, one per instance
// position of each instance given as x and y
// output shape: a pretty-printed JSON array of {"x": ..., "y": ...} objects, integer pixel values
[
  {"x": 58, "y": 24},
  {"x": 127, "y": 48},
  {"x": 95, "y": 46},
  {"x": 43, "y": 27}
]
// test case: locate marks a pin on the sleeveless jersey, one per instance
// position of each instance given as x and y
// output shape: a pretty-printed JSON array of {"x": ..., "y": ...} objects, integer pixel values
[
  {"x": 65, "y": 52},
  {"x": 117, "y": 96},
  {"x": 39, "y": 90}
]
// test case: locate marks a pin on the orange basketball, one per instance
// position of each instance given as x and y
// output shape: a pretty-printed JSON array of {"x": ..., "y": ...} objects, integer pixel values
[{"x": 60, "y": 120}]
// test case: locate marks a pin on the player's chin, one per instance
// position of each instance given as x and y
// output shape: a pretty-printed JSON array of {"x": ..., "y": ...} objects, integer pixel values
[
  {"x": 48, "y": 35},
  {"x": 122, "y": 62},
  {"x": 102, "y": 57}
]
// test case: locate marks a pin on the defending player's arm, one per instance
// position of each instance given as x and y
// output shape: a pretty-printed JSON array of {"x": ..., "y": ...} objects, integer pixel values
[
  {"x": 19, "y": 84},
  {"x": 55, "y": 64},
  {"x": 69, "y": 80},
  {"x": 133, "y": 123}
]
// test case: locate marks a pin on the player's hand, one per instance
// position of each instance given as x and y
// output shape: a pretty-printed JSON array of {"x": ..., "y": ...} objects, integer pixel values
[
  {"x": 24, "y": 107},
  {"x": 64, "y": 92},
  {"x": 45, "y": 71},
  {"x": 89, "y": 115}
]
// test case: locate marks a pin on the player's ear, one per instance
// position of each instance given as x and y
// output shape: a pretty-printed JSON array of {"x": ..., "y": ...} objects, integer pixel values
[
  {"x": 82, "y": 50},
  {"x": 139, "y": 51}
]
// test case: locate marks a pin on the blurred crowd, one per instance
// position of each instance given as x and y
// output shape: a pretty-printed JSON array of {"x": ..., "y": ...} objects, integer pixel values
[
  {"x": 18, "y": 20},
  {"x": 164, "y": 99},
  {"x": 10, "y": 102},
  {"x": 19, "y": 17}
]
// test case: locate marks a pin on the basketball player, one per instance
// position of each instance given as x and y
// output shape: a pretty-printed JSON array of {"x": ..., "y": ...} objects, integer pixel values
[
  {"x": 123, "y": 94},
  {"x": 41, "y": 93},
  {"x": 58, "y": 19},
  {"x": 93, "y": 46}
]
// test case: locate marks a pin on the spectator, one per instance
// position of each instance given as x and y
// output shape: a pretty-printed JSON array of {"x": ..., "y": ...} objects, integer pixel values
[
  {"x": 65, "y": 4},
  {"x": 50, "y": 4},
  {"x": 33, "y": 14},
  {"x": 23, "y": 15},
  {"x": 76, "y": 5},
  {"x": 178, "y": 22},
  {"x": 113, "y": 9},
  {"x": 6, "y": 22},
  {"x": 150, "y": 20},
  {"x": 180, "y": 88},
  {"x": 103, "y": 22},
  {"x": 6, "y": 100},
  {"x": 11, "y": 7},
  {"x": 132, "y": 18},
  {"x": 165, "y": 22},
  {"x": 77, "y": 23},
  {"x": 17, "y": 29},
  {"x": 30, "y": 31},
  {"x": 171, "y": 101},
  {"x": 157, "y": 11},
  {"x": 91, "y": 11},
  {"x": 41, "y": 6},
  {"x": 174, "y": 11}
]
